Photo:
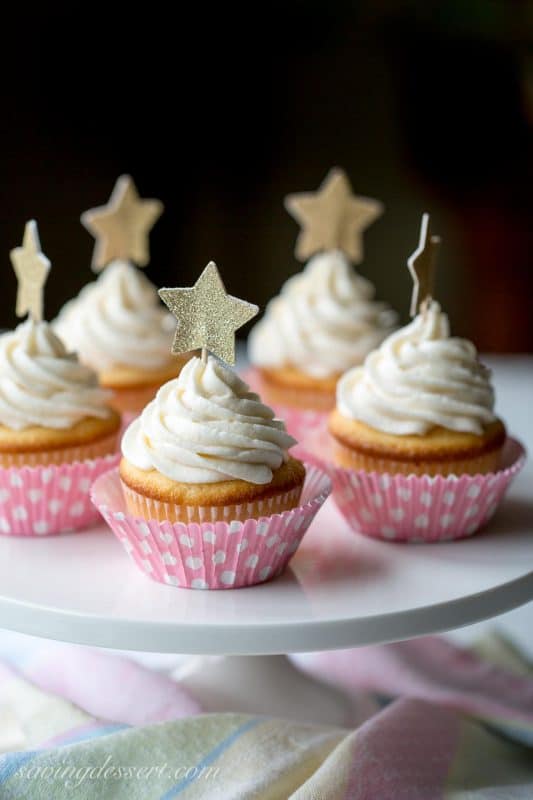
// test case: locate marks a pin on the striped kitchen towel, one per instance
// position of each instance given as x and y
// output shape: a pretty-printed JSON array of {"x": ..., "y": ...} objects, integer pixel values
[{"x": 452, "y": 724}]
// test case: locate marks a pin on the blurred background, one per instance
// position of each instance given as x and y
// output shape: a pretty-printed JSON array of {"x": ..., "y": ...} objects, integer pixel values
[{"x": 222, "y": 112}]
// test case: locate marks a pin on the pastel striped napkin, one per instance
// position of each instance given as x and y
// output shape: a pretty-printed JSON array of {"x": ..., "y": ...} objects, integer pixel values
[{"x": 452, "y": 724}]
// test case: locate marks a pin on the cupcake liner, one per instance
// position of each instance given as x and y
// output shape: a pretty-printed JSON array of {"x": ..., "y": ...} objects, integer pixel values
[
  {"x": 301, "y": 423},
  {"x": 416, "y": 508},
  {"x": 211, "y": 555},
  {"x": 298, "y": 421},
  {"x": 45, "y": 500},
  {"x": 148, "y": 508}
]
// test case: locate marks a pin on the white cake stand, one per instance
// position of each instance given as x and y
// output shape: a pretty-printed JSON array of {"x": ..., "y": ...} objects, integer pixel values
[{"x": 341, "y": 590}]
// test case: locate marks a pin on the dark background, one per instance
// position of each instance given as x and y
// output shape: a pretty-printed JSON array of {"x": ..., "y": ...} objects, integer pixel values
[{"x": 222, "y": 111}]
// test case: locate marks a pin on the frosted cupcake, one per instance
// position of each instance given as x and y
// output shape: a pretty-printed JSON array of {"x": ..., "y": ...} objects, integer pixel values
[
  {"x": 117, "y": 323},
  {"x": 119, "y": 328},
  {"x": 421, "y": 404},
  {"x": 207, "y": 495},
  {"x": 207, "y": 448},
  {"x": 57, "y": 430},
  {"x": 325, "y": 319},
  {"x": 51, "y": 408},
  {"x": 415, "y": 450}
]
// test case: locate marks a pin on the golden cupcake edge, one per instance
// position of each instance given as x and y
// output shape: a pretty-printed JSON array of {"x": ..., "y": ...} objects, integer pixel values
[
  {"x": 89, "y": 438},
  {"x": 151, "y": 495},
  {"x": 438, "y": 452},
  {"x": 291, "y": 387}
]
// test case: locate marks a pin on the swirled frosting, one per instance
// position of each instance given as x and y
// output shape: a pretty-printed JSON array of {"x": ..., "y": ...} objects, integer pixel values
[
  {"x": 206, "y": 426},
  {"x": 118, "y": 320},
  {"x": 418, "y": 379},
  {"x": 42, "y": 384},
  {"x": 323, "y": 322}
]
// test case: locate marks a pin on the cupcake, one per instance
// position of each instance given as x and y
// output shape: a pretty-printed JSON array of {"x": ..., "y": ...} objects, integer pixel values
[
  {"x": 119, "y": 328},
  {"x": 206, "y": 449},
  {"x": 57, "y": 431},
  {"x": 52, "y": 410},
  {"x": 415, "y": 450},
  {"x": 325, "y": 319},
  {"x": 421, "y": 404},
  {"x": 207, "y": 495},
  {"x": 117, "y": 323},
  {"x": 323, "y": 322}
]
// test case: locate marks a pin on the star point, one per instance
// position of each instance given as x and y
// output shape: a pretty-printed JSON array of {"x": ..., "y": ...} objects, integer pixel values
[
  {"x": 332, "y": 218},
  {"x": 422, "y": 265},
  {"x": 121, "y": 227},
  {"x": 31, "y": 268},
  {"x": 207, "y": 316}
]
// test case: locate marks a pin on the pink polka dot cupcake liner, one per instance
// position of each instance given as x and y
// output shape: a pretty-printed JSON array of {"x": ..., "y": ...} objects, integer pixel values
[
  {"x": 412, "y": 508},
  {"x": 299, "y": 422},
  {"x": 211, "y": 555},
  {"x": 45, "y": 500}
]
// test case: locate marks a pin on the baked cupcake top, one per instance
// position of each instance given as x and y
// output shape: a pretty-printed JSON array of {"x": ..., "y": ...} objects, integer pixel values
[
  {"x": 323, "y": 322},
  {"x": 118, "y": 320},
  {"x": 418, "y": 379},
  {"x": 42, "y": 384},
  {"x": 206, "y": 426}
]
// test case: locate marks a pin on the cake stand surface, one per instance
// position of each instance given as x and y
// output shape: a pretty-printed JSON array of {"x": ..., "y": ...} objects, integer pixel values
[{"x": 341, "y": 590}]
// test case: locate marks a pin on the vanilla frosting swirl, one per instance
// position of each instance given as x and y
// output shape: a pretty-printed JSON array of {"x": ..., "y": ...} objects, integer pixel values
[
  {"x": 323, "y": 322},
  {"x": 206, "y": 426},
  {"x": 418, "y": 379},
  {"x": 42, "y": 384},
  {"x": 118, "y": 320}
]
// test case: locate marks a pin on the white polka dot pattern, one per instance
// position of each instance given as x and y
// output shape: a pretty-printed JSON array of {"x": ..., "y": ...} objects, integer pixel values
[
  {"x": 211, "y": 555},
  {"x": 40, "y": 501},
  {"x": 411, "y": 508}
]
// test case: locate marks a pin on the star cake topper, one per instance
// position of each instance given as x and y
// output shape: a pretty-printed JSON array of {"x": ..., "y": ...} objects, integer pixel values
[
  {"x": 207, "y": 316},
  {"x": 121, "y": 227},
  {"x": 332, "y": 218},
  {"x": 31, "y": 267}
]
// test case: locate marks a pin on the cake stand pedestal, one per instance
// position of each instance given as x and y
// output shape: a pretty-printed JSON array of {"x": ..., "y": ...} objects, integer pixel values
[
  {"x": 341, "y": 590},
  {"x": 268, "y": 685}
]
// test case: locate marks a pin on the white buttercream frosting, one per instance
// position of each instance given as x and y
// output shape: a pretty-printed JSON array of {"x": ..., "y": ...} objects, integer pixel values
[
  {"x": 118, "y": 320},
  {"x": 323, "y": 322},
  {"x": 207, "y": 426},
  {"x": 42, "y": 384},
  {"x": 420, "y": 378}
]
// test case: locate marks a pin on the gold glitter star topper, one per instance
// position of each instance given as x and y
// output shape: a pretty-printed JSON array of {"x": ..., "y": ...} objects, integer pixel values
[
  {"x": 207, "y": 316},
  {"x": 31, "y": 267},
  {"x": 422, "y": 265},
  {"x": 122, "y": 226},
  {"x": 333, "y": 218}
]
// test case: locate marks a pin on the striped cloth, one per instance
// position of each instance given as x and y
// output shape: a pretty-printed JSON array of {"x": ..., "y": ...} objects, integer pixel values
[{"x": 457, "y": 724}]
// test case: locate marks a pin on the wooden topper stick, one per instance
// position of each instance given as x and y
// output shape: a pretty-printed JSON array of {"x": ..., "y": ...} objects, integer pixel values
[{"x": 422, "y": 266}]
